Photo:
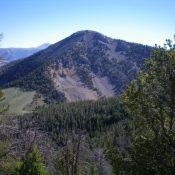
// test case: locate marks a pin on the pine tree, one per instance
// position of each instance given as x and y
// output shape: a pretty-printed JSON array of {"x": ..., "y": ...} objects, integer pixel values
[{"x": 33, "y": 164}]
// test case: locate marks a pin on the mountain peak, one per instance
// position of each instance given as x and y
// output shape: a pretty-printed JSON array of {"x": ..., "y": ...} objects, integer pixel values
[
  {"x": 89, "y": 36},
  {"x": 87, "y": 32},
  {"x": 86, "y": 65}
]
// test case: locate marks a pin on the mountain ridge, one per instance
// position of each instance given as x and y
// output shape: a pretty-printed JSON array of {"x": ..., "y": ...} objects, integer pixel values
[
  {"x": 14, "y": 53},
  {"x": 86, "y": 65}
]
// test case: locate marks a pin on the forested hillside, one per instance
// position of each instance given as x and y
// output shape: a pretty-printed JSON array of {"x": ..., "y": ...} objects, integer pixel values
[
  {"x": 131, "y": 134},
  {"x": 84, "y": 129}
]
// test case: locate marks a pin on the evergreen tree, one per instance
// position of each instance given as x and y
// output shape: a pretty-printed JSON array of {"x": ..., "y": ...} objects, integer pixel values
[
  {"x": 150, "y": 100},
  {"x": 33, "y": 164}
]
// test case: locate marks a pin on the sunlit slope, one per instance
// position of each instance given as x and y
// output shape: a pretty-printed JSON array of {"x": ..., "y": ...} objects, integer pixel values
[{"x": 18, "y": 100}]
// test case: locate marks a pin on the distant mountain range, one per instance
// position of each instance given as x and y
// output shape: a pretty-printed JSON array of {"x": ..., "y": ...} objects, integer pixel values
[
  {"x": 11, "y": 54},
  {"x": 84, "y": 66}
]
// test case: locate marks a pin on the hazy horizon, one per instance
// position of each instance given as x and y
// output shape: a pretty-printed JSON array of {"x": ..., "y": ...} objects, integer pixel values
[{"x": 32, "y": 23}]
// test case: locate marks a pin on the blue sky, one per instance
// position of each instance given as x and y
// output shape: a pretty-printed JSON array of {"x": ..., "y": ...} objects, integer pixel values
[{"x": 27, "y": 23}]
